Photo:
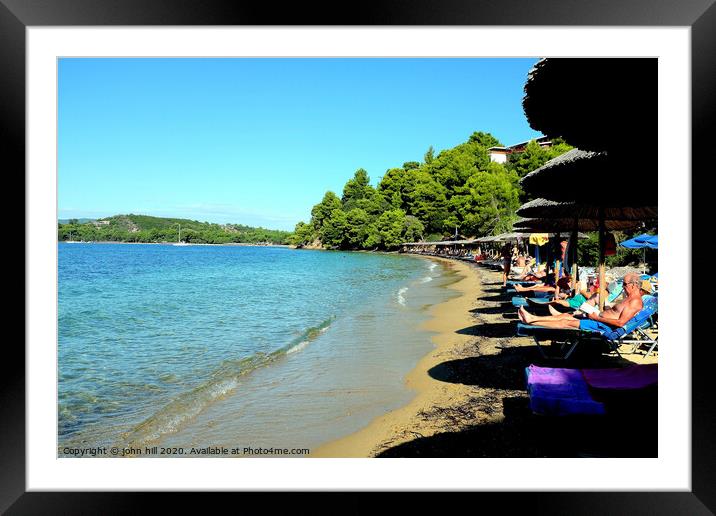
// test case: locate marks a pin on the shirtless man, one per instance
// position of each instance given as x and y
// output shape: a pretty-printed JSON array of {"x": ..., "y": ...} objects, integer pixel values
[{"x": 611, "y": 318}]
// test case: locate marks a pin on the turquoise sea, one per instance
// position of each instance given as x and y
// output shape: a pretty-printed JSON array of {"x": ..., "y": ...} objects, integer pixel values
[{"x": 212, "y": 346}]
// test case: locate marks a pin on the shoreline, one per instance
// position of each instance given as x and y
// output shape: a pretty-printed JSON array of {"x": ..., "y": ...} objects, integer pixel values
[{"x": 405, "y": 423}]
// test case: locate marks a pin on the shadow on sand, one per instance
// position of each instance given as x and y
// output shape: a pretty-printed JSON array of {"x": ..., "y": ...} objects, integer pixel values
[
  {"x": 493, "y": 330},
  {"x": 495, "y": 310},
  {"x": 624, "y": 433},
  {"x": 506, "y": 370},
  {"x": 499, "y": 298},
  {"x": 495, "y": 290}
]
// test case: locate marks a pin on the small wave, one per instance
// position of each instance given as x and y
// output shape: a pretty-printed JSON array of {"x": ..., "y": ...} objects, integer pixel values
[
  {"x": 432, "y": 266},
  {"x": 426, "y": 279},
  {"x": 401, "y": 298},
  {"x": 310, "y": 335},
  {"x": 298, "y": 347},
  {"x": 183, "y": 408},
  {"x": 222, "y": 381}
]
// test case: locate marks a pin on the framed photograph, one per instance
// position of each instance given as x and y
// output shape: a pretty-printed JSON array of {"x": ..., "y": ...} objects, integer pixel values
[{"x": 182, "y": 166}]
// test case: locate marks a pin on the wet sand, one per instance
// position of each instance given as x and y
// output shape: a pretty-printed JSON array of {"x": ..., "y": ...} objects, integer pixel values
[
  {"x": 407, "y": 422},
  {"x": 470, "y": 390}
]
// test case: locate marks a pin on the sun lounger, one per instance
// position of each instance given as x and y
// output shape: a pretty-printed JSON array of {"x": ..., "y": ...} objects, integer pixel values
[
  {"x": 540, "y": 303},
  {"x": 569, "y": 338},
  {"x": 615, "y": 292},
  {"x": 518, "y": 301}
]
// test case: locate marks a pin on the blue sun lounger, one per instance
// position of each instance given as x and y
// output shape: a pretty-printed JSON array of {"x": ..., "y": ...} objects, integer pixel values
[
  {"x": 530, "y": 293},
  {"x": 518, "y": 301},
  {"x": 570, "y": 338}
]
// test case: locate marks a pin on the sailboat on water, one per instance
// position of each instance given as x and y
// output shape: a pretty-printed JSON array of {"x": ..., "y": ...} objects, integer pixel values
[
  {"x": 70, "y": 241},
  {"x": 179, "y": 242}
]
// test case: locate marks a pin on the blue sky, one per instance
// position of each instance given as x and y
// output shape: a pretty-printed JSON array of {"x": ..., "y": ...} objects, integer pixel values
[{"x": 259, "y": 141}]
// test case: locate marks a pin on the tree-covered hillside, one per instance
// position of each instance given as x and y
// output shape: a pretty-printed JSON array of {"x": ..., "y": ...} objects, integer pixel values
[
  {"x": 460, "y": 190},
  {"x": 143, "y": 228}
]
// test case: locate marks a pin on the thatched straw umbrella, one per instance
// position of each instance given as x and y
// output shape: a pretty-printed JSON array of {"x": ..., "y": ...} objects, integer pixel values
[
  {"x": 614, "y": 181},
  {"x": 567, "y": 225},
  {"x": 595, "y": 104},
  {"x": 543, "y": 208}
]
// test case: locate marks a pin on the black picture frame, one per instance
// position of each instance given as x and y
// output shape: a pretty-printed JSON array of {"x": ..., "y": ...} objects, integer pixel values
[{"x": 699, "y": 15}]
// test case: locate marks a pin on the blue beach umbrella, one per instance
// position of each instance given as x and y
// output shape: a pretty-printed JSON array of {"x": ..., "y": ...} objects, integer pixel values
[{"x": 642, "y": 242}]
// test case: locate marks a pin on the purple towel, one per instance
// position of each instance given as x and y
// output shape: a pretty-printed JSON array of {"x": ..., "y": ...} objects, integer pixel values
[
  {"x": 560, "y": 392},
  {"x": 637, "y": 376}
]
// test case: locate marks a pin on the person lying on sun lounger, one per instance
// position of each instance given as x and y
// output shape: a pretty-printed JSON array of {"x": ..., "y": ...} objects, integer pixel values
[
  {"x": 611, "y": 318},
  {"x": 532, "y": 276},
  {"x": 531, "y": 271},
  {"x": 578, "y": 298},
  {"x": 547, "y": 285}
]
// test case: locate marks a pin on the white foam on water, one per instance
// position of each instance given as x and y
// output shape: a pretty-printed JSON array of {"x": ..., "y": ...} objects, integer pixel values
[
  {"x": 426, "y": 279},
  {"x": 171, "y": 417},
  {"x": 432, "y": 266},
  {"x": 297, "y": 347},
  {"x": 401, "y": 298},
  {"x": 301, "y": 345}
]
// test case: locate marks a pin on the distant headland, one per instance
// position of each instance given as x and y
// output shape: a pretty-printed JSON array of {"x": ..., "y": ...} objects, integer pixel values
[{"x": 145, "y": 229}]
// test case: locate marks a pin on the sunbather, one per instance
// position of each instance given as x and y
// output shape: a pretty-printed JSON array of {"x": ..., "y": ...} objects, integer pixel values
[
  {"x": 611, "y": 318},
  {"x": 582, "y": 298},
  {"x": 531, "y": 271},
  {"x": 578, "y": 299},
  {"x": 547, "y": 285},
  {"x": 534, "y": 275}
]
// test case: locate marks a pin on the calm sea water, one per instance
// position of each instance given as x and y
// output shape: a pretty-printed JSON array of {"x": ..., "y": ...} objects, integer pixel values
[{"x": 234, "y": 346}]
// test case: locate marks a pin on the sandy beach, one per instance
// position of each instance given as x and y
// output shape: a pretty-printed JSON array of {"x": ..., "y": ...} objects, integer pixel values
[
  {"x": 405, "y": 424},
  {"x": 470, "y": 390}
]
